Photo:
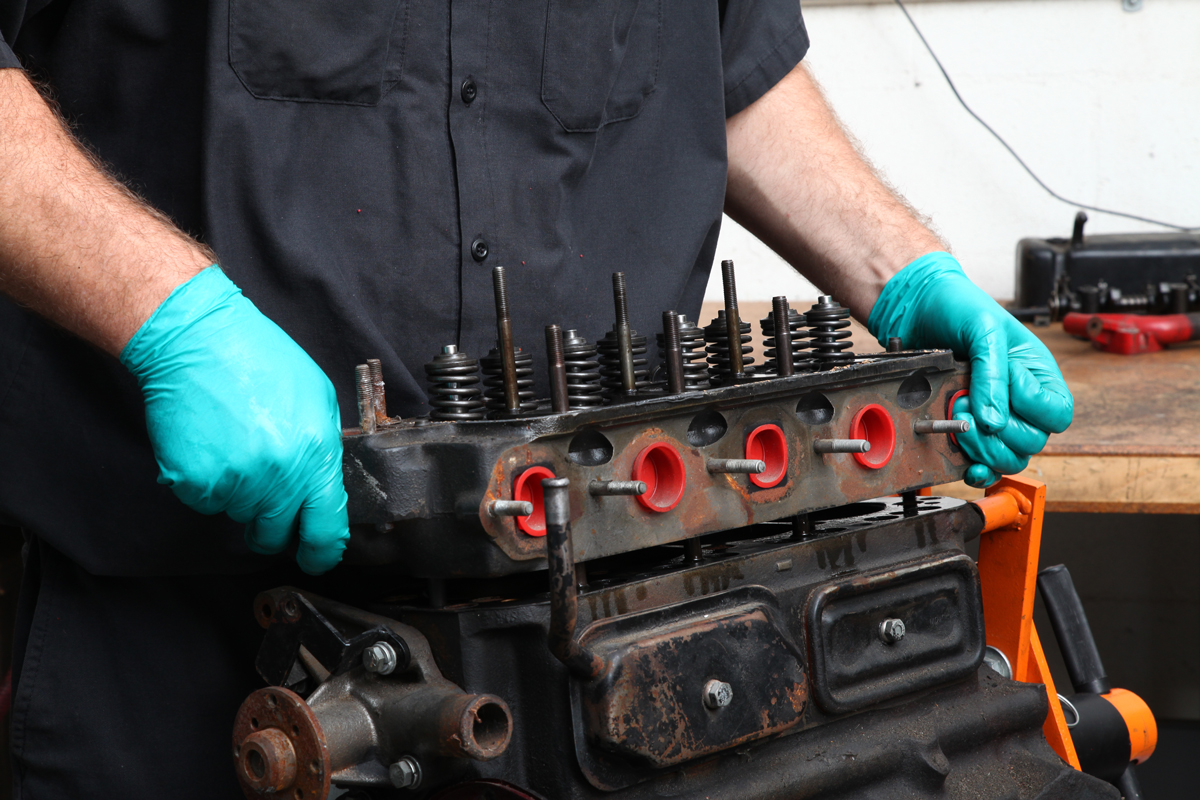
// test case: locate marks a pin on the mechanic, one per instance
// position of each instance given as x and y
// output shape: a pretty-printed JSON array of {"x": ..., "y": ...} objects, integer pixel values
[{"x": 357, "y": 173}]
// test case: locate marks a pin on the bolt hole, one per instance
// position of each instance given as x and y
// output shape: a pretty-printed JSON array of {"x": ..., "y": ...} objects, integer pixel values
[
  {"x": 256, "y": 764},
  {"x": 267, "y": 611},
  {"x": 299, "y": 793},
  {"x": 590, "y": 449},
  {"x": 254, "y": 722},
  {"x": 314, "y": 767},
  {"x": 295, "y": 730},
  {"x": 914, "y": 391},
  {"x": 814, "y": 408},
  {"x": 707, "y": 428},
  {"x": 271, "y": 701}
]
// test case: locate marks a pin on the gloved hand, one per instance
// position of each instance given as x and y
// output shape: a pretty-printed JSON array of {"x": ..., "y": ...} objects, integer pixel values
[
  {"x": 1017, "y": 396},
  {"x": 242, "y": 420}
]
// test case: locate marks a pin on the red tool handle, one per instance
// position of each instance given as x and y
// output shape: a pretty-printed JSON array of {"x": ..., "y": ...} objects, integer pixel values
[{"x": 1130, "y": 334}]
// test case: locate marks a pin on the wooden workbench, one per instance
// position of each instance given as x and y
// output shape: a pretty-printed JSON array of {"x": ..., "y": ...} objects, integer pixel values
[{"x": 1134, "y": 446}]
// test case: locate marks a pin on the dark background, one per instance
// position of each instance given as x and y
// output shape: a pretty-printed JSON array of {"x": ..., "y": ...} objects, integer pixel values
[{"x": 1138, "y": 576}]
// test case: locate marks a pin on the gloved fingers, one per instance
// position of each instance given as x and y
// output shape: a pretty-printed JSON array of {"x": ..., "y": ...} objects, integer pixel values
[
  {"x": 1040, "y": 393},
  {"x": 987, "y": 448},
  {"x": 980, "y": 476},
  {"x": 270, "y": 533},
  {"x": 324, "y": 526},
  {"x": 987, "y": 348},
  {"x": 1022, "y": 438}
]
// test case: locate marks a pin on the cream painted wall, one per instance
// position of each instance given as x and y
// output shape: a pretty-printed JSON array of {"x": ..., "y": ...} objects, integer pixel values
[{"x": 1103, "y": 104}]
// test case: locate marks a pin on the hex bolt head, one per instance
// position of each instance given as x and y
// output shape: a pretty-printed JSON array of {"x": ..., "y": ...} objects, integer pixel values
[
  {"x": 380, "y": 658},
  {"x": 717, "y": 694},
  {"x": 405, "y": 773},
  {"x": 891, "y": 631}
]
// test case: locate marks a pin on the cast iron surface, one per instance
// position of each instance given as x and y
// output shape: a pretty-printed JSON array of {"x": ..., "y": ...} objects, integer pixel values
[
  {"x": 420, "y": 491},
  {"x": 937, "y": 599},
  {"x": 659, "y": 616}
]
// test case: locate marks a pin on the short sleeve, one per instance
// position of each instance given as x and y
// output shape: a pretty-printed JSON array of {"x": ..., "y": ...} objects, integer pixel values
[
  {"x": 761, "y": 42},
  {"x": 8, "y": 59}
]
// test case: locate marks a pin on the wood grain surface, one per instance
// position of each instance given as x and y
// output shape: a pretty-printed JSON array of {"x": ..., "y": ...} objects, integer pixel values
[{"x": 1134, "y": 446}]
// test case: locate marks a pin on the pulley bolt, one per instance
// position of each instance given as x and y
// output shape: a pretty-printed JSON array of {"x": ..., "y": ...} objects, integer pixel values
[
  {"x": 405, "y": 773},
  {"x": 380, "y": 658},
  {"x": 717, "y": 694},
  {"x": 891, "y": 631}
]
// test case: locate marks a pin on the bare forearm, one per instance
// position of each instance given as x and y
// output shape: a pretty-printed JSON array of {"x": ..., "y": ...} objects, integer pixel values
[
  {"x": 76, "y": 246},
  {"x": 797, "y": 182}
]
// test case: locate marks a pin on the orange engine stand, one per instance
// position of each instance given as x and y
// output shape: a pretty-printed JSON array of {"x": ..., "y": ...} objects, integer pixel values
[{"x": 1008, "y": 567}]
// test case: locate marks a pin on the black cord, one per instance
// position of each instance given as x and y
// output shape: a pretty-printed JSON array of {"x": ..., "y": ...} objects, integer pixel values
[{"x": 1012, "y": 152}]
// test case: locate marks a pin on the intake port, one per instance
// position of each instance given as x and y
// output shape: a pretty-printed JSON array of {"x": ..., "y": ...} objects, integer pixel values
[
  {"x": 767, "y": 444},
  {"x": 528, "y": 487},
  {"x": 874, "y": 424},
  {"x": 661, "y": 468}
]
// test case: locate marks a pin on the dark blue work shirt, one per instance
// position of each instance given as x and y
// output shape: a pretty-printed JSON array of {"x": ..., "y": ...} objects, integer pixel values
[
  {"x": 358, "y": 175},
  {"x": 358, "y": 167}
]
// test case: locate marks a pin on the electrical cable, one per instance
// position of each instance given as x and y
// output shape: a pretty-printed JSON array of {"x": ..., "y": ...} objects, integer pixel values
[{"x": 1013, "y": 153}]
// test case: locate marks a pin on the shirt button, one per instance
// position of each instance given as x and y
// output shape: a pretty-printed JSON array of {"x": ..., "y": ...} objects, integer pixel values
[
  {"x": 469, "y": 91},
  {"x": 479, "y": 249}
]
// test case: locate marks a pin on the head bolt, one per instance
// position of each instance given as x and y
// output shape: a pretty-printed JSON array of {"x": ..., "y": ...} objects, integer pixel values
[
  {"x": 891, "y": 631},
  {"x": 405, "y": 773},
  {"x": 717, "y": 694},
  {"x": 380, "y": 658}
]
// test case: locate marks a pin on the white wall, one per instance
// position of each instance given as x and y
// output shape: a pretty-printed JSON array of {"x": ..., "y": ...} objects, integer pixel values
[{"x": 1103, "y": 104}]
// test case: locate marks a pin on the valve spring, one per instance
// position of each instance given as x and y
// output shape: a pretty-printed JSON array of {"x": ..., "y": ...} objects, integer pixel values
[
  {"x": 691, "y": 342},
  {"x": 454, "y": 382},
  {"x": 493, "y": 381},
  {"x": 610, "y": 363},
  {"x": 717, "y": 337},
  {"x": 583, "y": 371},
  {"x": 828, "y": 320},
  {"x": 801, "y": 359}
]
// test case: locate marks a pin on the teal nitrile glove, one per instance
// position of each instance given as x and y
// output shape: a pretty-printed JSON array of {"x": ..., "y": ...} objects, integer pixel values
[
  {"x": 1017, "y": 394},
  {"x": 242, "y": 420}
]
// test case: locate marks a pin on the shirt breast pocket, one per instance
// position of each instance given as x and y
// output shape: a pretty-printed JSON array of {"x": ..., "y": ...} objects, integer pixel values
[
  {"x": 601, "y": 60},
  {"x": 326, "y": 51}
]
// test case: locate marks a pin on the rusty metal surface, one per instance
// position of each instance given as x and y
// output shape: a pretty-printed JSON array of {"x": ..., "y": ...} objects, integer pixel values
[
  {"x": 420, "y": 491},
  {"x": 966, "y": 738},
  {"x": 360, "y": 722},
  {"x": 938, "y": 602},
  {"x": 297, "y": 770},
  {"x": 650, "y": 705}
]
